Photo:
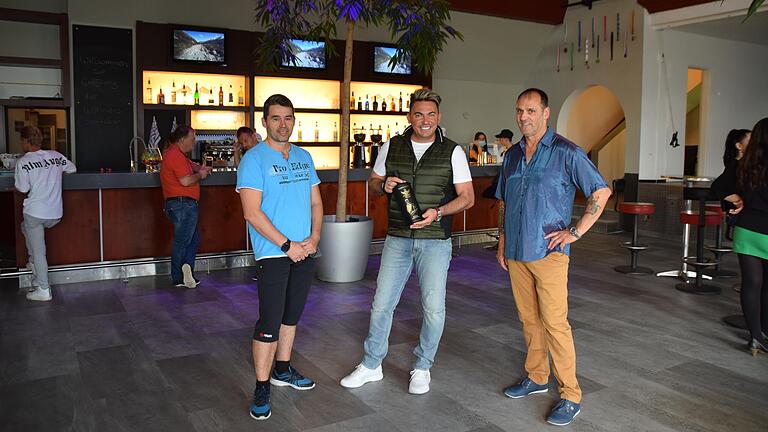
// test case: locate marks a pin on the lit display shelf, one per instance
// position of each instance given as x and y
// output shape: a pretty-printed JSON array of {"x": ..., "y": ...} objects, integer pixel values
[{"x": 178, "y": 89}]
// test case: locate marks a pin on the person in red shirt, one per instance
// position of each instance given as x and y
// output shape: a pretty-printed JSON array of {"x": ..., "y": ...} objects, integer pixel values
[{"x": 180, "y": 178}]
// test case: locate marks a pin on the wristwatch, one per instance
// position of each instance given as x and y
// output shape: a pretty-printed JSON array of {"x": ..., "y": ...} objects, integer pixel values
[
  {"x": 439, "y": 214},
  {"x": 286, "y": 246},
  {"x": 574, "y": 232}
]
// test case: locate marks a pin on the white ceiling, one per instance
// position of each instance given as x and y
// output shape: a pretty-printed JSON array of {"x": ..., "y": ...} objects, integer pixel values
[{"x": 754, "y": 30}]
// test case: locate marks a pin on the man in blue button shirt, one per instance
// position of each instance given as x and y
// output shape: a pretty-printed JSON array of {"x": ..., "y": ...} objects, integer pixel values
[{"x": 537, "y": 184}]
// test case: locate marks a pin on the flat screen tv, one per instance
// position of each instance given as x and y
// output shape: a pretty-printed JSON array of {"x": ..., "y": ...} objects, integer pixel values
[
  {"x": 197, "y": 46},
  {"x": 382, "y": 56},
  {"x": 309, "y": 54}
]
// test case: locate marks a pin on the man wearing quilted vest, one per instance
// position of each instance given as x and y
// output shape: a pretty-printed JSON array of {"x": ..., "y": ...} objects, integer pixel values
[{"x": 438, "y": 172}]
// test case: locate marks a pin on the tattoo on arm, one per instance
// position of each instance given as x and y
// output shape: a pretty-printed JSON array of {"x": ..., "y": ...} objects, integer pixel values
[
  {"x": 592, "y": 206},
  {"x": 501, "y": 216}
]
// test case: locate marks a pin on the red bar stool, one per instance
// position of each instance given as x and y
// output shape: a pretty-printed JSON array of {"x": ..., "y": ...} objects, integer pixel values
[
  {"x": 718, "y": 249},
  {"x": 635, "y": 209},
  {"x": 699, "y": 262}
]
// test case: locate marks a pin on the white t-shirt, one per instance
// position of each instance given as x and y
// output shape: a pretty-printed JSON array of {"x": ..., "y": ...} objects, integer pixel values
[
  {"x": 39, "y": 174},
  {"x": 461, "y": 173}
]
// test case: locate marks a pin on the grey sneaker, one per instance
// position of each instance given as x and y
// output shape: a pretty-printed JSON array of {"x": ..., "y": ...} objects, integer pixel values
[{"x": 189, "y": 279}]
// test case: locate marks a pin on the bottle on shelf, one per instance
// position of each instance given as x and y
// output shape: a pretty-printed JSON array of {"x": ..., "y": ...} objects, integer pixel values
[
  {"x": 221, "y": 96},
  {"x": 149, "y": 98},
  {"x": 184, "y": 92},
  {"x": 240, "y": 97},
  {"x": 298, "y": 133},
  {"x": 408, "y": 103},
  {"x": 352, "y": 102},
  {"x": 317, "y": 133},
  {"x": 388, "y": 132},
  {"x": 173, "y": 93},
  {"x": 336, "y": 131},
  {"x": 161, "y": 97},
  {"x": 392, "y": 106},
  {"x": 375, "y": 104},
  {"x": 397, "y": 129},
  {"x": 367, "y": 105},
  {"x": 210, "y": 96},
  {"x": 231, "y": 96},
  {"x": 400, "y": 103},
  {"x": 197, "y": 95},
  {"x": 360, "y": 103}
]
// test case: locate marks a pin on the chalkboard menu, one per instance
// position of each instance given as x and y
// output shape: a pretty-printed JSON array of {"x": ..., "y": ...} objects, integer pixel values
[{"x": 103, "y": 90}]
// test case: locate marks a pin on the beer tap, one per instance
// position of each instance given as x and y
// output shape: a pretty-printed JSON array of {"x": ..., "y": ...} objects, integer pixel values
[{"x": 133, "y": 149}]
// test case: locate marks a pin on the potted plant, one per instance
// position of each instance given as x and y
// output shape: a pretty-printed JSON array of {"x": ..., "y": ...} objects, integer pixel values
[{"x": 420, "y": 29}]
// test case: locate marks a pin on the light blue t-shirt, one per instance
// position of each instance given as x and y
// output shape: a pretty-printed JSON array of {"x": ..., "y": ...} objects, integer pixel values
[{"x": 286, "y": 187}]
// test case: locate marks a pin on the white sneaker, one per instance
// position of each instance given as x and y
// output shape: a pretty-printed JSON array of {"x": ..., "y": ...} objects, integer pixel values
[
  {"x": 419, "y": 382},
  {"x": 40, "y": 294},
  {"x": 362, "y": 375},
  {"x": 189, "y": 280}
]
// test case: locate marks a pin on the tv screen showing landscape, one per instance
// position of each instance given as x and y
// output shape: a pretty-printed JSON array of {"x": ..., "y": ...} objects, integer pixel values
[
  {"x": 382, "y": 56},
  {"x": 198, "y": 46},
  {"x": 309, "y": 54}
]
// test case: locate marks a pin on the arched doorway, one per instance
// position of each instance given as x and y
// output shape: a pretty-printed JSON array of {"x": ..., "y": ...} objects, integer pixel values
[{"x": 593, "y": 118}]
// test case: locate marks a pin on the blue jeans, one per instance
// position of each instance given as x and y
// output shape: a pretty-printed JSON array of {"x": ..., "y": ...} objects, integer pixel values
[
  {"x": 432, "y": 259},
  {"x": 183, "y": 214}
]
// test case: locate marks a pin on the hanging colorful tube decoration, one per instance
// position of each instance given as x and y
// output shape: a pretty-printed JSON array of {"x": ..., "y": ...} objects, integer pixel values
[
  {"x": 578, "y": 36},
  {"x": 611, "y": 46}
]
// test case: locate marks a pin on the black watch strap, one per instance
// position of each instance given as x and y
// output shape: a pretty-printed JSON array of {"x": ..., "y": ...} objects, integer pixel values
[{"x": 286, "y": 246}]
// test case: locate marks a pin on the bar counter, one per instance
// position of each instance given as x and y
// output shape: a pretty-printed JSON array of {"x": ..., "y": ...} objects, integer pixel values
[{"x": 114, "y": 217}]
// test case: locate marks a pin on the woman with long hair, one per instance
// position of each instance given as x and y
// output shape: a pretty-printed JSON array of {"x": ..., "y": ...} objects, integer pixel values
[
  {"x": 735, "y": 144},
  {"x": 744, "y": 189}
]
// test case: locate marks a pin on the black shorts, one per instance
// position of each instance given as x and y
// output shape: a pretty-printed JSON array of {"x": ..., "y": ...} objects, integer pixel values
[{"x": 283, "y": 289}]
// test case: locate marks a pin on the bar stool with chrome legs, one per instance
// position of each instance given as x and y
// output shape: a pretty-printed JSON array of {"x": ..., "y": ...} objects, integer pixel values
[
  {"x": 635, "y": 209},
  {"x": 718, "y": 249},
  {"x": 701, "y": 219}
]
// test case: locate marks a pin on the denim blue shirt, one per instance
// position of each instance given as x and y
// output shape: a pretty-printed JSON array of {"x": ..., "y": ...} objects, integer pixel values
[{"x": 538, "y": 195}]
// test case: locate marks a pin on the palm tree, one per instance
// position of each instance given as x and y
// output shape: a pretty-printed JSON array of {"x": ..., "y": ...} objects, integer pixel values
[
  {"x": 753, "y": 7},
  {"x": 420, "y": 28}
]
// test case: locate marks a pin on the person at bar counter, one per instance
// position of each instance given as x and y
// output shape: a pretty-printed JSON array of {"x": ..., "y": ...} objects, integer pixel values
[
  {"x": 505, "y": 139},
  {"x": 280, "y": 193},
  {"x": 180, "y": 179},
  {"x": 743, "y": 187},
  {"x": 247, "y": 138},
  {"x": 438, "y": 171},
  {"x": 537, "y": 184},
  {"x": 38, "y": 174}
]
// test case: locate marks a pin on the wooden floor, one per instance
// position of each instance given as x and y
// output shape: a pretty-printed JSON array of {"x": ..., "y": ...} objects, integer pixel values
[{"x": 144, "y": 356}]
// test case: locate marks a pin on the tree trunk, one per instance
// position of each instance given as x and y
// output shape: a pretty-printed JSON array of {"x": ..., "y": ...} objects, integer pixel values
[{"x": 341, "y": 198}]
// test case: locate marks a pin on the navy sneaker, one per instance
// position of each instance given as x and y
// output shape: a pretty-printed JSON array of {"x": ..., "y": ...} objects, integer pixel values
[
  {"x": 261, "y": 409},
  {"x": 563, "y": 413},
  {"x": 524, "y": 388},
  {"x": 291, "y": 378}
]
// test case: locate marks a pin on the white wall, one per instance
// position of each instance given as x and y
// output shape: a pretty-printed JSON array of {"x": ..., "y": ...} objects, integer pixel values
[
  {"x": 622, "y": 76},
  {"x": 733, "y": 96}
]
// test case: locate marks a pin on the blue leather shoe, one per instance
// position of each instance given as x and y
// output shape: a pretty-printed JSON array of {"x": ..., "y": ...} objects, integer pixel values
[
  {"x": 261, "y": 409},
  {"x": 524, "y": 388},
  {"x": 563, "y": 413}
]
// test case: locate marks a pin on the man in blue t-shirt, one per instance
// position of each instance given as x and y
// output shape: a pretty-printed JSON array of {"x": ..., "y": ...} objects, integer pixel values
[{"x": 279, "y": 191}]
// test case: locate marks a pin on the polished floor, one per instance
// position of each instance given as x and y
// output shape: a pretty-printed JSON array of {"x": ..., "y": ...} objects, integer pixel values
[{"x": 143, "y": 356}]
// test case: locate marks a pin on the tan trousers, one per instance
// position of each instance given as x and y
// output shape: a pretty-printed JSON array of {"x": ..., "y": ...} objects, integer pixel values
[{"x": 541, "y": 294}]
